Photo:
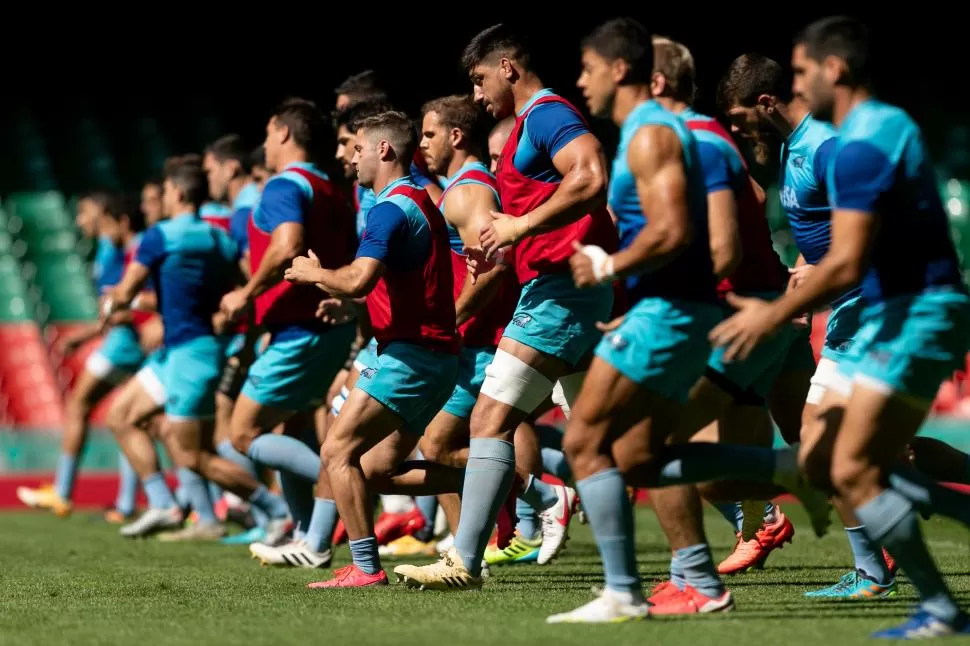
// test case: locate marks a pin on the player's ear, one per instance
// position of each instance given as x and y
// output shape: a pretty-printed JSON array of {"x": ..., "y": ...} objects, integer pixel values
[
  {"x": 658, "y": 84},
  {"x": 456, "y": 136},
  {"x": 766, "y": 103},
  {"x": 835, "y": 69},
  {"x": 508, "y": 70},
  {"x": 619, "y": 69}
]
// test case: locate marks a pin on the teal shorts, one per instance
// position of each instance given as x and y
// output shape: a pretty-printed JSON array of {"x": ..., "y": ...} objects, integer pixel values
[
  {"x": 841, "y": 328},
  {"x": 412, "y": 381},
  {"x": 190, "y": 373},
  {"x": 911, "y": 344},
  {"x": 471, "y": 374},
  {"x": 367, "y": 357},
  {"x": 294, "y": 373},
  {"x": 662, "y": 345},
  {"x": 801, "y": 356},
  {"x": 559, "y": 319},
  {"x": 119, "y": 356},
  {"x": 236, "y": 344},
  {"x": 757, "y": 373}
]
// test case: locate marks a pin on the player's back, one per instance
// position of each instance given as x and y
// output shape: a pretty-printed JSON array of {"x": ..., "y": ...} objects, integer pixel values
[
  {"x": 527, "y": 178},
  {"x": 690, "y": 275},
  {"x": 108, "y": 265},
  {"x": 301, "y": 193},
  {"x": 805, "y": 156},
  {"x": 193, "y": 265},
  {"x": 414, "y": 299},
  {"x": 881, "y": 166},
  {"x": 760, "y": 269}
]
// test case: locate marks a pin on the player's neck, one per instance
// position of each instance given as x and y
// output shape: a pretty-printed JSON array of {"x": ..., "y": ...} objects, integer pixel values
[
  {"x": 526, "y": 87},
  {"x": 845, "y": 100},
  {"x": 289, "y": 156},
  {"x": 671, "y": 104},
  {"x": 460, "y": 158},
  {"x": 627, "y": 98},
  {"x": 787, "y": 116},
  {"x": 183, "y": 210},
  {"x": 387, "y": 173},
  {"x": 236, "y": 185}
]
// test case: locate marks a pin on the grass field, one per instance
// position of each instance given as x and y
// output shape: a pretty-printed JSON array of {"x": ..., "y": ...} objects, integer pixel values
[{"x": 76, "y": 582}]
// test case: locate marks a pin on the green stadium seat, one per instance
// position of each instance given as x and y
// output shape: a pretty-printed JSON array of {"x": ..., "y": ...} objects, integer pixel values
[
  {"x": 66, "y": 291},
  {"x": 54, "y": 243},
  {"x": 15, "y": 303},
  {"x": 32, "y": 214}
]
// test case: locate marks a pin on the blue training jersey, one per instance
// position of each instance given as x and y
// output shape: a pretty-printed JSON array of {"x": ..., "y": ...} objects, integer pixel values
[
  {"x": 365, "y": 200},
  {"x": 193, "y": 264},
  {"x": 454, "y": 238},
  {"x": 242, "y": 208},
  {"x": 109, "y": 264},
  {"x": 548, "y": 128},
  {"x": 881, "y": 167},
  {"x": 690, "y": 275}
]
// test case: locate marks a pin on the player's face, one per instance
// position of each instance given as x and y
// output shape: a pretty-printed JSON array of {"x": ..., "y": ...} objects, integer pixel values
[
  {"x": 814, "y": 82},
  {"x": 275, "y": 135},
  {"x": 110, "y": 228},
  {"x": 88, "y": 217},
  {"x": 345, "y": 150},
  {"x": 260, "y": 175},
  {"x": 596, "y": 80},
  {"x": 436, "y": 144},
  {"x": 219, "y": 173},
  {"x": 151, "y": 203},
  {"x": 754, "y": 127},
  {"x": 171, "y": 199},
  {"x": 496, "y": 142},
  {"x": 366, "y": 159},
  {"x": 492, "y": 88}
]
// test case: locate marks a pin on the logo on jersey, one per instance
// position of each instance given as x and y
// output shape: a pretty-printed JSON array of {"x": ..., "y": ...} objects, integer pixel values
[
  {"x": 521, "y": 320},
  {"x": 798, "y": 162},
  {"x": 788, "y": 197},
  {"x": 367, "y": 373}
]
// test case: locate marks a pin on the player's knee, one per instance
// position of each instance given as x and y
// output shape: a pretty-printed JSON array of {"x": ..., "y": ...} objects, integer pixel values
[
  {"x": 576, "y": 441},
  {"x": 334, "y": 453},
  {"x": 242, "y": 438},
  {"x": 848, "y": 473},
  {"x": 633, "y": 462},
  {"x": 117, "y": 419}
]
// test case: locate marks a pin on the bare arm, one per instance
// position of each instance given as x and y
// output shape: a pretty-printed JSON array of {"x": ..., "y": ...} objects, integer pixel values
[
  {"x": 467, "y": 208},
  {"x": 135, "y": 276},
  {"x": 355, "y": 280},
  {"x": 285, "y": 244},
  {"x": 722, "y": 218}
]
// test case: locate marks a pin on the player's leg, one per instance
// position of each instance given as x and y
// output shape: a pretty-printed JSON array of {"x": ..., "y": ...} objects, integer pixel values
[{"x": 940, "y": 460}]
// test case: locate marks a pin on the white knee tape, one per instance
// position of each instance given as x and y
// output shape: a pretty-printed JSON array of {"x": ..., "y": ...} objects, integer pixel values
[
  {"x": 827, "y": 377},
  {"x": 566, "y": 390},
  {"x": 152, "y": 385},
  {"x": 512, "y": 381},
  {"x": 101, "y": 367}
]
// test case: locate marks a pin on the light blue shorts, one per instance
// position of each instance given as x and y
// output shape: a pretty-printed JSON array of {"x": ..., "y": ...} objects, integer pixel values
[
  {"x": 190, "y": 373},
  {"x": 759, "y": 371},
  {"x": 471, "y": 374},
  {"x": 119, "y": 356},
  {"x": 801, "y": 356},
  {"x": 662, "y": 345},
  {"x": 558, "y": 318},
  {"x": 235, "y": 345},
  {"x": 367, "y": 357},
  {"x": 295, "y": 373},
  {"x": 412, "y": 381},
  {"x": 911, "y": 344},
  {"x": 841, "y": 328}
]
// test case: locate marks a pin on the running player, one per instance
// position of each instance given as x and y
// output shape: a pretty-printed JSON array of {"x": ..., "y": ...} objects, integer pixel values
[
  {"x": 496, "y": 141},
  {"x": 754, "y": 96},
  {"x": 403, "y": 267},
  {"x": 552, "y": 181},
  {"x": 299, "y": 209},
  {"x": 916, "y": 325}
]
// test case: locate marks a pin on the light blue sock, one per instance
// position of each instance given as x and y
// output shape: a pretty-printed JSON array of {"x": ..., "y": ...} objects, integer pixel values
[
  {"x": 127, "y": 486},
  {"x": 269, "y": 504},
  {"x": 541, "y": 495},
  {"x": 930, "y": 496},
  {"x": 732, "y": 513},
  {"x": 428, "y": 506},
  {"x": 65, "y": 475},
  {"x": 157, "y": 491},
  {"x": 226, "y": 450},
  {"x": 215, "y": 491},
  {"x": 182, "y": 497},
  {"x": 890, "y": 520},
  {"x": 319, "y": 533},
  {"x": 611, "y": 517},
  {"x": 488, "y": 480},
  {"x": 554, "y": 461},
  {"x": 677, "y": 572},
  {"x": 286, "y": 454},
  {"x": 364, "y": 553},
  {"x": 528, "y": 525},
  {"x": 299, "y": 498},
  {"x": 197, "y": 495},
  {"x": 699, "y": 571},
  {"x": 695, "y": 462},
  {"x": 867, "y": 555}
]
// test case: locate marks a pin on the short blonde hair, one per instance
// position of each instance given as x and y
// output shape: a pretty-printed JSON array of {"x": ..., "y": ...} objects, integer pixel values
[{"x": 676, "y": 63}]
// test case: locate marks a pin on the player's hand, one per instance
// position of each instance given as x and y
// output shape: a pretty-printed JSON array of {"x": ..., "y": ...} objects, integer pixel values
[
  {"x": 234, "y": 303},
  {"x": 591, "y": 266},
  {"x": 798, "y": 275},
  {"x": 336, "y": 310},
  {"x": 610, "y": 326},
  {"x": 477, "y": 262},
  {"x": 219, "y": 322},
  {"x": 503, "y": 231},
  {"x": 754, "y": 322},
  {"x": 303, "y": 270}
]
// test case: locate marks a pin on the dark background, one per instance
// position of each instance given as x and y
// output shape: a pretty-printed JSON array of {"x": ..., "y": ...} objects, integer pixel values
[{"x": 194, "y": 83}]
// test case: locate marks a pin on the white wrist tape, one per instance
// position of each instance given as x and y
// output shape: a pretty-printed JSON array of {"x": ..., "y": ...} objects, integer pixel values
[
  {"x": 602, "y": 262},
  {"x": 107, "y": 307}
]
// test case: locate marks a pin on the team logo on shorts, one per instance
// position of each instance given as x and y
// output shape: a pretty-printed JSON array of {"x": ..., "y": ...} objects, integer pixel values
[
  {"x": 521, "y": 320},
  {"x": 367, "y": 373},
  {"x": 616, "y": 341}
]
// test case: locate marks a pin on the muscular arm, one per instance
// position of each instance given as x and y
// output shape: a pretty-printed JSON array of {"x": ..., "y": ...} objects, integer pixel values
[
  {"x": 285, "y": 244},
  {"x": 722, "y": 217},
  {"x": 583, "y": 187},
  {"x": 467, "y": 208},
  {"x": 656, "y": 160},
  {"x": 135, "y": 276},
  {"x": 355, "y": 280}
]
